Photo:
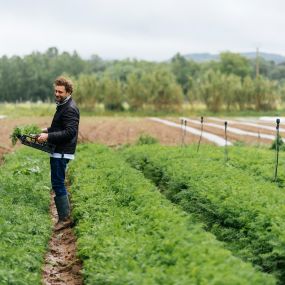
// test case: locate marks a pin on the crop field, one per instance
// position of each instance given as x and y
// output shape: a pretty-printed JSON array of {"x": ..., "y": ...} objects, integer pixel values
[{"x": 173, "y": 212}]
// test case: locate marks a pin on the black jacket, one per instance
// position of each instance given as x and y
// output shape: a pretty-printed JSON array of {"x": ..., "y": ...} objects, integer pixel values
[{"x": 64, "y": 128}]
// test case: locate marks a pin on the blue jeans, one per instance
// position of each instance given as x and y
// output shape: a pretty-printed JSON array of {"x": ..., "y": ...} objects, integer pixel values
[{"x": 57, "y": 170}]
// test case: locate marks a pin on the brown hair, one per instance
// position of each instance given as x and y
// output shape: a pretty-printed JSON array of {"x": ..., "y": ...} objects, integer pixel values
[{"x": 63, "y": 81}]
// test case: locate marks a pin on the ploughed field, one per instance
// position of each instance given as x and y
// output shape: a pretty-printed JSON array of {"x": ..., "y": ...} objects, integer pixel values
[{"x": 114, "y": 131}]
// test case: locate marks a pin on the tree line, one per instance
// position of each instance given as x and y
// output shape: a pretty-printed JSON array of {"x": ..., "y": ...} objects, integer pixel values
[{"x": 231, "y": 83}]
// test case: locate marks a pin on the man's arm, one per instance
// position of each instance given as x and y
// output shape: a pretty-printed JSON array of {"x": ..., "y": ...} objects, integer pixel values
[{"x": 43, "y": 137}]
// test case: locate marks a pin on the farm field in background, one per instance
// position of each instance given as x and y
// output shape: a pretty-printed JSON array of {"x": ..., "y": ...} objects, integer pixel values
[{"x": 118, "y": 130}]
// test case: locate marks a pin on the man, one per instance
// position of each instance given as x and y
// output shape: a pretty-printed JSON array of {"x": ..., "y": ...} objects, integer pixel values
[{"x": 63, "y": 133}]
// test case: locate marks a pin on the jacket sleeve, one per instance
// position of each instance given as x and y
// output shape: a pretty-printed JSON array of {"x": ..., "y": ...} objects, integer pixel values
[
  {"x": 49, "y": 129},
  {"x": 70, "y": 122}
]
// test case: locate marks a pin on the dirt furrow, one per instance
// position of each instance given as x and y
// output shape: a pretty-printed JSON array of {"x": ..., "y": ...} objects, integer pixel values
[{"x": 61, "y": 264}]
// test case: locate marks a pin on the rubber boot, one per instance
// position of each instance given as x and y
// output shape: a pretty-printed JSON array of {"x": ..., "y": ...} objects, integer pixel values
[{"x": 63, "y": 210}]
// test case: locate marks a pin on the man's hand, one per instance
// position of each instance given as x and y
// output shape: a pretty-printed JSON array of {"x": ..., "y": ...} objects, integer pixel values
[{"x": 43, "y": 137}]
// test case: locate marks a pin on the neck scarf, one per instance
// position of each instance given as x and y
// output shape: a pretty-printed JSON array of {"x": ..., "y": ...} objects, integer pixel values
[{"x": 63, "y": 102}]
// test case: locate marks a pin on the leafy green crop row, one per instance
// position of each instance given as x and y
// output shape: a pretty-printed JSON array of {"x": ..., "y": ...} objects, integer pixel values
[
  {"x": 25, "y": 224},
  {"x": 246, "y": 213},
  {"x": 128, "y": 233},
  {"x": 256, "y": 161}
]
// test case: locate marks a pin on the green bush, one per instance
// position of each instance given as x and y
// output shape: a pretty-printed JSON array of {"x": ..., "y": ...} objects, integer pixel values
[
  {"x": 278, "y": 141},
  {"x": 146, "y": 139}
]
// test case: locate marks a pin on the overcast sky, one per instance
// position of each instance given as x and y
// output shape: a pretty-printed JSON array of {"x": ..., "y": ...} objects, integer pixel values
[{"x": 142, "y": 29}]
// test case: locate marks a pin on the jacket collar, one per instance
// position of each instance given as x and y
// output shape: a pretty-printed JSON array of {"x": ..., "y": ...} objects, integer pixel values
[{"x": 67, "y": 99}]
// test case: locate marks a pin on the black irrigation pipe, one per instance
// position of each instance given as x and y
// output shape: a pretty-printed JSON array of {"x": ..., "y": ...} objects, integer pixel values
[
  {"x": 277, "y": 149},
  {"x": 226, "y": 142},
  {"x": 202, "y": 121}
]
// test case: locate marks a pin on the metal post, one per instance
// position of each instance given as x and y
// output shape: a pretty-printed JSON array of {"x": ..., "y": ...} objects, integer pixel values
[
  {"x": 226, "y": 142},
  {"x": 182, "y": 122},
  {"x": 277, "y": 148},
  {"x": 202, "y": 121},
  {"x": 185, "y": 127}
]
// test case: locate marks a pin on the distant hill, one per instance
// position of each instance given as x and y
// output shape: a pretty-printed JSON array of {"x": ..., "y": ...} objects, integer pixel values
[{"x": 202, "y": 57}]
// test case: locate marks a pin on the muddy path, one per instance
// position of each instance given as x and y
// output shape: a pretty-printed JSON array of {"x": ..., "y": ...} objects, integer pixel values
[{"x": 61, "y": 264}]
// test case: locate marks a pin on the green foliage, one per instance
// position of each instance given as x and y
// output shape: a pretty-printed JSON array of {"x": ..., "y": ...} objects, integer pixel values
[
  {"x": 24, "y": 217},
  {"x": 278, "y": 142},
  {"x": 143, "y": 85},
  {"x": 235, "y": 64},
  {"x": 136, "y": 91},
  {"x": 183, "y": 70},
  {"x": 146, "y": 139},
  {"x": 112, "y": 94},
  {"x": 264, "y": 94},
  {"x": 246, "y": 101},
  {"x": 24, "y": 130},
  {"x": 165, "y": 94},
  {"x": 217, "y": 90},
  {"x": 87, "y": 91},
  {"x": 211, "y": 90},
  {"x": 30, "y": 78},
  {"x": 241, "y": 209},
  {"x": 258, "y": 162},
  {"x": 128, "y": 233}
]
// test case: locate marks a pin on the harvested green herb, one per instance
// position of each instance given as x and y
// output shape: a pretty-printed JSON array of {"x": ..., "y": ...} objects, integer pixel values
[{"x": 24, "y": 130}]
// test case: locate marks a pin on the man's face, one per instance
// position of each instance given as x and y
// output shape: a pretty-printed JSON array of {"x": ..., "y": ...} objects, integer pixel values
[{"x": 60, "y": 93}]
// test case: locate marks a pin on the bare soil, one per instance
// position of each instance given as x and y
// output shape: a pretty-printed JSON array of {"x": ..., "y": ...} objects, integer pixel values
[
  {"x": 250, "y": 140},
  {"x": 61, "y": 264},
  {"x": 114, "y": 131},
  {"x": 251, "y": 128},
  {"x": 111, "y": 131}
]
